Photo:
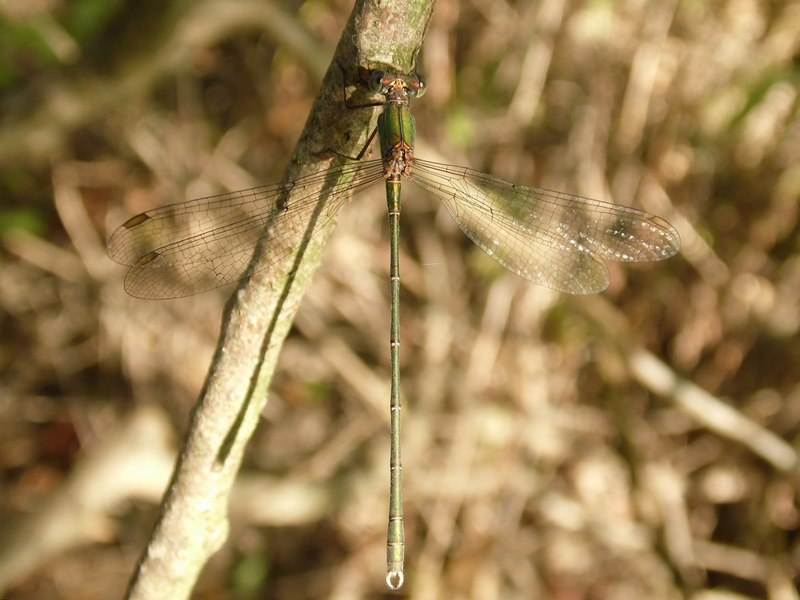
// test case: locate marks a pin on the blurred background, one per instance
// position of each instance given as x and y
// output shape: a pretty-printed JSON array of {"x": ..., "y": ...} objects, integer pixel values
[{"x": 641, "y": 443}]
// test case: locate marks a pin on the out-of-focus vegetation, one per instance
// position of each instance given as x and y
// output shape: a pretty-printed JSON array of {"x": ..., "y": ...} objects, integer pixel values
[{"x": 637, "y": 444}]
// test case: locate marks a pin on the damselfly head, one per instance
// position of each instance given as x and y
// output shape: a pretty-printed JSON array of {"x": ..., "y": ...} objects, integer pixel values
[{"x": 382, "y": 82}]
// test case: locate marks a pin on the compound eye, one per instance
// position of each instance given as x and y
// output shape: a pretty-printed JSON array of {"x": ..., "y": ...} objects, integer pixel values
[
  {"x": 418, "y": 87},
  {"x": 376, "y": 81}
]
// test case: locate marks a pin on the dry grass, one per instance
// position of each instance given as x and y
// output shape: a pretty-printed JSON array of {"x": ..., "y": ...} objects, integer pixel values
[{"x": 638, "y": 444}]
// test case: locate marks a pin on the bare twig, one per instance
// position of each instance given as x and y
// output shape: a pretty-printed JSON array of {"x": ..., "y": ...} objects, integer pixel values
[{"x": 707, "y": 409}]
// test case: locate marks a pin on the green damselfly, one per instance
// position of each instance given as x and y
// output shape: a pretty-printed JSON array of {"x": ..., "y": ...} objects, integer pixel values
[{"x": 551, "y": 238}]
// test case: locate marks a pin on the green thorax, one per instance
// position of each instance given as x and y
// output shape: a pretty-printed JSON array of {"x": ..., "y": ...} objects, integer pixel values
[{"x": 396, "y": 128}]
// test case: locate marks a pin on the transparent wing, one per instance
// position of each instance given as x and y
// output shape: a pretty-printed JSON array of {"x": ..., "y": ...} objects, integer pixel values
[
  {"x": 554, "y": 239},
  {"x": 188, "y": 248}
]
